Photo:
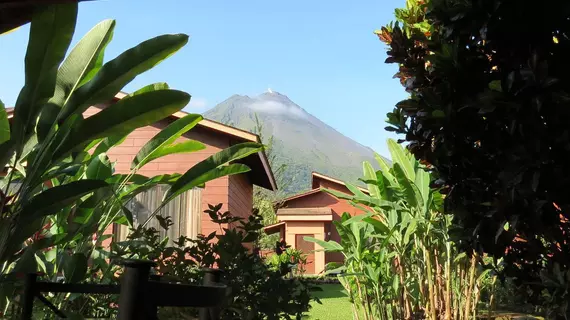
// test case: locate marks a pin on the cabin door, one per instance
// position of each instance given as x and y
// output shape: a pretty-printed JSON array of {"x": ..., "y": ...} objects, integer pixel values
[{"x": 308, "y": 248}]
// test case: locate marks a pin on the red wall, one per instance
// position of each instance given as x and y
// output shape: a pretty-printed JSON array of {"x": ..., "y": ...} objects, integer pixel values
[{"x": 240, "y": 200}]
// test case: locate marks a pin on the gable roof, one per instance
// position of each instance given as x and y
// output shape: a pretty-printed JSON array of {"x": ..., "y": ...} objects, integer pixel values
[
  {"x": 331, "y": 179},
  {"x": 316, "y": 188},
  {"x": 257, "y": 163}
]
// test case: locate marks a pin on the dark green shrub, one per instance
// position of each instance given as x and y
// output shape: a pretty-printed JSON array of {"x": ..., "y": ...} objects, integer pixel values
[
  {"x": 257, "y": 290},
  {"x": 489, "y": 101}
]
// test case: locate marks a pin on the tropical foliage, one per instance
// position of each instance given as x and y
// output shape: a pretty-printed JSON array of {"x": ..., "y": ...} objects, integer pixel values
[
  {"x": 400, "y": 262},
  {"x": 257, "y": 290},
  {"x": 489, "y": 101},
  {"x": 60, "y": 191}
]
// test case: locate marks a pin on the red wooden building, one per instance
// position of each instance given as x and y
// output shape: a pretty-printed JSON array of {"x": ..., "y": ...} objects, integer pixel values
[{"x": 311, "y": 214}]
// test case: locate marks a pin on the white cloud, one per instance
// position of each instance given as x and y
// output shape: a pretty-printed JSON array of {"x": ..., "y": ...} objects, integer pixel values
[
  {"x": 275, "y": 107},
  {"x": 197, "y": 104}
]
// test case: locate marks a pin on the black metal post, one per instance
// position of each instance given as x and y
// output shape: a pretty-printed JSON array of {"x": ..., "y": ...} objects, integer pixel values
[
  {"x": 28, "y": 296},
  {"x": 151, "y": 304},
  {"x": 134, "y": 290},
  {"x": 211, "y": 276}
]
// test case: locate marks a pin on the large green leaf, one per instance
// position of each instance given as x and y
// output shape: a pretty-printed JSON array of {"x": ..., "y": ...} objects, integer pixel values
[
  {"x": 99, "y": 168},
  {"x": 182, "y": 147},
  {"x": 84, "y": 60},
  {"x": 109, "y": 142},
  {"x": 161, "y": 143},
  {"x": 406, "y": 186},
  {"x": 138, "y": 183},
  {"x": 150, "y": 87},
  {"x": 422, "y": 182},
  {"x": 126, "y": 115},
  {"x": 356, "y": 191},
  {"x": 411, "y": 229},
  {"x": 45, "y": 156},
  {"x": 50, "y": 35},
  {"x": 53, "y": 199},
  {"x": 362, "y": 198},
  {"x": 403, "y": 158},
  {"x": 378, "y": 225},
  {"x": 338, "y": 194},
  {"x": 198, "y": 174},
  {"x": 4, "y": 124},
  {"x": 81, "y": 60},
  {"x": 47, "y": 120},
  {"x": 357, "y": 218},
  {"x": 384, "y": 167},
  {"x": 227, "y": 170},
  {"x": 370, "y": 175},
  {"x": 329, "y": 246},
  {"x": 115, "y": 140},
  {"x": 27, "y": 262},
  {"x": 75, "y": 267},
  {"x": 117, "y": 73}
]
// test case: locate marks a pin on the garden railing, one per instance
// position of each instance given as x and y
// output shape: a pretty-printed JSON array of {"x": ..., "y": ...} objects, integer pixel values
[{"x": 140, "y": 294}]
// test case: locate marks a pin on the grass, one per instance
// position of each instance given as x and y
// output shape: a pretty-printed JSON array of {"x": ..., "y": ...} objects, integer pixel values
[{"x": 335, "y": 304}]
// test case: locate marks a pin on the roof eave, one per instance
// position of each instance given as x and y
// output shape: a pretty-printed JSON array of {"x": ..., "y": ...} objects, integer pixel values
[{"x": 219, "y": 127}]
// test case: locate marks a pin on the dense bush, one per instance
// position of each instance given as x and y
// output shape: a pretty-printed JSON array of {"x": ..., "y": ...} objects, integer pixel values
[
  {"x": 490, "y": 99},
  {"x": 287, "y": 259},
  {"x": 256, "y": 290}
]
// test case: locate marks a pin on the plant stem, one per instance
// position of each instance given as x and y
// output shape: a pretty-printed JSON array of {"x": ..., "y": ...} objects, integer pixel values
[
  {"x": 427, "y": 258},
  {"x": 448, "y": 280},
  {"x": 492, "y": 298},
  {"x": 470, "y": 286}
]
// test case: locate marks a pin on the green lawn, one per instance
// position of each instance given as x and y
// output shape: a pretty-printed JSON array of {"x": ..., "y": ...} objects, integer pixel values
[{"x": 335, "y": 304}]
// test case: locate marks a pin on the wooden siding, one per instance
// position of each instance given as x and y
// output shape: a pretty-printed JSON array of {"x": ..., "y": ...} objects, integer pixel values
[
  {"x": 240, "y": 200},
  {"x": 338, "y": 207}
]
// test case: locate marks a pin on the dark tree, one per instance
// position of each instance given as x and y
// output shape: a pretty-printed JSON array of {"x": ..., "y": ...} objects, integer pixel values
[{"x": 489, "y": 111}]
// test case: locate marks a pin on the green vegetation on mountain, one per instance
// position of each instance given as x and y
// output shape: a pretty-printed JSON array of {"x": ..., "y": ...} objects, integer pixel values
[{"x": 301, "y": 142}]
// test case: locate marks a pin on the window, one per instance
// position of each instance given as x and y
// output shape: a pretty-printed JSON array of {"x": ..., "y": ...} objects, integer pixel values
[{"x": 185, "y": 212}]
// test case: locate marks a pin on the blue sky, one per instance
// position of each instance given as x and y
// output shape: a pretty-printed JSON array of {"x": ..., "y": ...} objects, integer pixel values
[{"x": 322, "y": 54}]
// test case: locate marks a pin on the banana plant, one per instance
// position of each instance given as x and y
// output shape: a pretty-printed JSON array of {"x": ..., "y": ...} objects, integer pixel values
[
  {"x": 399, "y": 258},
  {"x": 60, "y": 190}
]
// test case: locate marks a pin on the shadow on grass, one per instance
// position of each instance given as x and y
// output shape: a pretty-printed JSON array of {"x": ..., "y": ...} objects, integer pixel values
[{"x": 330, "y": 291}]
